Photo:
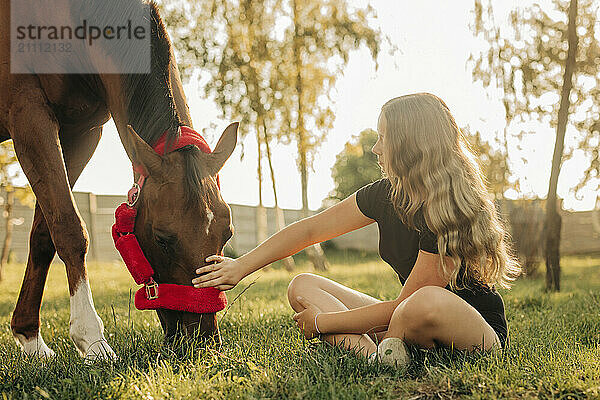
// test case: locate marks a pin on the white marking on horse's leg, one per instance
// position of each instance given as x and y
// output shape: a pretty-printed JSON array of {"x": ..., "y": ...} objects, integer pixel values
[
  {"x": 34, "y": 346},
  {"x": 210, "y": 216},
  {"x": 86, "y": 328}
]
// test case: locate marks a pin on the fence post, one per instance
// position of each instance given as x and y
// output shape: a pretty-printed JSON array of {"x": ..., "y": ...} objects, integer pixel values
[{"x": 93, "y": 207}]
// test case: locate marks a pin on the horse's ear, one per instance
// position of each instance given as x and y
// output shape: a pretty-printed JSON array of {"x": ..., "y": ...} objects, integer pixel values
[
  {"x": 141, "y": 153},
  {"x": 224, "y": 148}
]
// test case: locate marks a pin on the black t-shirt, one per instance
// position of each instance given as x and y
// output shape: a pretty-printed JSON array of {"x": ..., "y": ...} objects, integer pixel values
[{"x": 399, "y": 245}]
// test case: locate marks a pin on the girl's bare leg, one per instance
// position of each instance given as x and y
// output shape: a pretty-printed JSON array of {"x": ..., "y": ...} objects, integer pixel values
[
  {"x": 330, "y": 296},
  {"x": 433, "y": 315}
]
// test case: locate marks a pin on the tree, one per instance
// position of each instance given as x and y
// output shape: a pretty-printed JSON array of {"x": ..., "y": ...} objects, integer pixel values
[
  {"x": 524, "y": 215},
  {"x": 355, "y": 166},
  {"x": 553, "y": 220},
  {"x": 545, "y": 64},
  {"x": 236, "y": 78},
  {"x": 319, "y": 39},
  {"x": 493, "y": 161},
  {"x": 275, "y": 63},
  {"x": 288, "y": 262},
  {"x": 8, "y": 174}
]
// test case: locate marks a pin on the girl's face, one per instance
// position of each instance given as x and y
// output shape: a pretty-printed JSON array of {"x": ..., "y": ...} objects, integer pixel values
[{"x": 379, "y": 145}]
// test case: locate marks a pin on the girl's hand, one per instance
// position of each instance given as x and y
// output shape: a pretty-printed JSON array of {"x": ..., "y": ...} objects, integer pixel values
[
  {"x": 223, "y": 275},
  {"x": 306, "y": 319}
]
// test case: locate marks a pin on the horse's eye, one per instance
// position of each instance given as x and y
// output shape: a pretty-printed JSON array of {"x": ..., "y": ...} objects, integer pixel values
[
  {"x": 162, "y": 243},
  {"x": 165, "y": 241}
]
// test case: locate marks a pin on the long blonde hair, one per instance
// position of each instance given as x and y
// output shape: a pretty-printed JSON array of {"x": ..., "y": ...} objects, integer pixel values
[{"x": 430, "y": 165}]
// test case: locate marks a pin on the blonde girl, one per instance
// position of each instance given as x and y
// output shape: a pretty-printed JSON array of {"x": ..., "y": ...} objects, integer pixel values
[{"x": 438, "y": 229}]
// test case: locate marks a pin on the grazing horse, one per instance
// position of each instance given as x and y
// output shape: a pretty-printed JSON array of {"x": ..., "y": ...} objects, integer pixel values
[{"x": 55, "y": 122}]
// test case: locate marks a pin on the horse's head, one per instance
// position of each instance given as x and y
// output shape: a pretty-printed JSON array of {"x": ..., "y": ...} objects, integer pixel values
[{"x": 182, "y": 219}]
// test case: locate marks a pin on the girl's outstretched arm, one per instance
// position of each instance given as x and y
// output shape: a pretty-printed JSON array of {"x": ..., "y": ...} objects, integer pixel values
[{"x": 338, "y": 219}]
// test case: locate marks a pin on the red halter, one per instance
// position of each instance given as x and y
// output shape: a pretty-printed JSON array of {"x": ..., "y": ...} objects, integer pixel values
[{"x": 165, "y": 295}]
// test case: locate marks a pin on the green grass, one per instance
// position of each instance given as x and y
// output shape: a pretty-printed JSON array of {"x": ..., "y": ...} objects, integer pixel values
[{"x": 554, "y": 351}]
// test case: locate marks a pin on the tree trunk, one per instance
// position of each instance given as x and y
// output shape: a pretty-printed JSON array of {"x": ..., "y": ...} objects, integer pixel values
[
  {"x": 261, "y": 213},
  {"x": 10, "y": 199},
  {"x": 288, "y": 262},
  {"x": 553, "y": 219},
  {"x": 315, "y": 253}
]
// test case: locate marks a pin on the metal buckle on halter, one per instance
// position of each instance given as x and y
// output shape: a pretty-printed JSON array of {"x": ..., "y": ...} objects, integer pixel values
[
  {"x": 151, "y": 290},
  {"x": 133, "y": 194}
]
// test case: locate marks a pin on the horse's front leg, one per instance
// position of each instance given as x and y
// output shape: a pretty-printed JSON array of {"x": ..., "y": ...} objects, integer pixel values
[
  {"x": 86, "y": 328},
  {"x": 35, "y": 134}
]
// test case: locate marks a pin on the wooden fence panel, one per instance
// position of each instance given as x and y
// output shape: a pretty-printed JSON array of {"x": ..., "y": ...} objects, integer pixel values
[{"x": 580, "y": 232}]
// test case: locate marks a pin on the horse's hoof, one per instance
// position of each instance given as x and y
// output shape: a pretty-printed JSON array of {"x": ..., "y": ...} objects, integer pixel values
[
  {"x": 45, "y": 353},
  {"x": 34, "y": 347},
  {"x": 99, "y": 351}
]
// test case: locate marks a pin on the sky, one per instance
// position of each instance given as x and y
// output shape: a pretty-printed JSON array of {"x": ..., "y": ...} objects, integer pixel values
[{"x": 434, "y": 42}]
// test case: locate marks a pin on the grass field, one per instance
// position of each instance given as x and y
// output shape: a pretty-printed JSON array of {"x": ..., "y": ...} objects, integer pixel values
[{"x": 554, "y": 351}]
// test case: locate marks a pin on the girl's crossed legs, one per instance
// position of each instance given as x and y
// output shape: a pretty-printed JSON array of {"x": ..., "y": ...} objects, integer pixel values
[
  {"x": 430, "y": 316},
  {"x": 330, "y": 296}
]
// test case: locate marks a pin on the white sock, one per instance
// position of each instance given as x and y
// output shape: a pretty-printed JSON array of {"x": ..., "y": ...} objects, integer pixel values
[{"x": 393, "y": 352}]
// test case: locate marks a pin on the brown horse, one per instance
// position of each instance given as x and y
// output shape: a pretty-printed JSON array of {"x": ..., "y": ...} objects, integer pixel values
[{"x": 55, "y": 122}]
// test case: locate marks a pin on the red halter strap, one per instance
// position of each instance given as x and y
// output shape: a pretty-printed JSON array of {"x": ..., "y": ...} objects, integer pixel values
[{"x": 165, "y": 295}]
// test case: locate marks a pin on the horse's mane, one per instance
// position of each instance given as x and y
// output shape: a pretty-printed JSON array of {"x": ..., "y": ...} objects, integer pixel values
[
  {"x": 197, "y": 188},
  {"x": 151, "y": 107}
]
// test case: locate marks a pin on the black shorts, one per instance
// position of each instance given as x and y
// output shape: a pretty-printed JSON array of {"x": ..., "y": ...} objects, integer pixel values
[{"x": 490, "y": 305}]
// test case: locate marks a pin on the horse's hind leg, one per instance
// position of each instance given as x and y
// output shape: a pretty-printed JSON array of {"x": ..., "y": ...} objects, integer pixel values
[
  {"x": 35, "y": 134},
  {"x": 25, "y": 322}
]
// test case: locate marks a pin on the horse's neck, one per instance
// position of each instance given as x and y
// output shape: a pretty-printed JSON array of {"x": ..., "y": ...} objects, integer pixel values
[
  {"x": 148, "y": 102},
  {"x": 116, "y": 101}
]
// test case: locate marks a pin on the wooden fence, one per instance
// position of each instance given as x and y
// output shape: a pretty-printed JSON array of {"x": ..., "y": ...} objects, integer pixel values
[{"x": 580, "y": 232}]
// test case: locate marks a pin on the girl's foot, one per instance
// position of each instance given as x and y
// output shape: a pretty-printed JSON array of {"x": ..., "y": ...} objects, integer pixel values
[{"x": 392, "y": 352}]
